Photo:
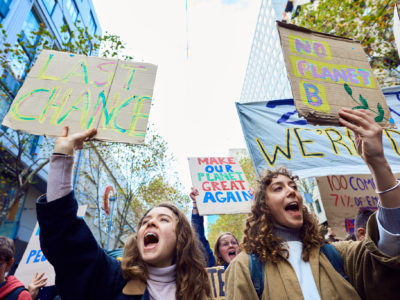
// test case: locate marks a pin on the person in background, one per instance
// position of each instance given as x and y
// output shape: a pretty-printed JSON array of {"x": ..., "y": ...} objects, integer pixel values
[
  {"x": 226, "y": 247},
  {"x": 161, "y": 261},
  {"x": 284, "y": 236},
  {"x": 10, "y": 286},
  {"x": 360, "y": 223}
]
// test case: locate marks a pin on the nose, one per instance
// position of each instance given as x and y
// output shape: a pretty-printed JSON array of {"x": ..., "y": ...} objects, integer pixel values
[
  {"x": 151, "y": 223},
  {"x": 291, "y": 191}
]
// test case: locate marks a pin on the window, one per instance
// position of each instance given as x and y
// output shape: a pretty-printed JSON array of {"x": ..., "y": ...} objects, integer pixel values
[
  {"x": 21, "y": 61},
  {"x": 49, "y": 4},
  {"x": 4, "y": 8},
  {"x": 72, "y": 9},
  {"x": 92, "y": 25},
  {"x": 30, "y": 26},
  {"x": 318, "y": 206}
]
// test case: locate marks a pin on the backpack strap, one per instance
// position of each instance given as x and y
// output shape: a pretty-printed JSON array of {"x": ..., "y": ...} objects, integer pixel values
[
  {"x": 335, "y": 259},
  {"x": 257, "y": 274},
  {"x": 15, "y": 293}
]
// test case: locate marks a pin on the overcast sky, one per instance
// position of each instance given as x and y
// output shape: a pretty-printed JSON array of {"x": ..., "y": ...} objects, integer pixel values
[{"x": 195, "y": 91}]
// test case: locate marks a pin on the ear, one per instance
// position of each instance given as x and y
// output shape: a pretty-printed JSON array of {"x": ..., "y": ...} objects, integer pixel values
[
  {"x": 361, "y": 233},
  {"x": 9, "y": 264}
]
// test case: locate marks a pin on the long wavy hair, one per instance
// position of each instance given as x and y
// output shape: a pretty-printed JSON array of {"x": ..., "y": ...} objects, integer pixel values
[
  {"x": 259, "y": 237},
  {"x": 218, "y": 257},
  {"x": 191, "y": 277}
]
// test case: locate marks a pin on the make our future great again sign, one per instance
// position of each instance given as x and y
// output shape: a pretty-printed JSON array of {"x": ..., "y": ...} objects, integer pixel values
[
  {"x": 222, "y": 185},
  {"x": 327, "y": 73},
  {"x": 84, "y": 92}
]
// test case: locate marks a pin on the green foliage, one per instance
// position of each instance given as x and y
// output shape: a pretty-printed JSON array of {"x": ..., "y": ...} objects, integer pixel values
[
  {"x": 14, "y": 57},
  {"x": 368, "y": 21},
  {"x": 141, "y": 176},
  {"x": 227, "y": 223}
]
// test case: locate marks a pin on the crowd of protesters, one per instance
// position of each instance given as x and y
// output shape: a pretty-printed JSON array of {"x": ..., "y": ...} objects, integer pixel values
[{"x": 282, "y": 256}]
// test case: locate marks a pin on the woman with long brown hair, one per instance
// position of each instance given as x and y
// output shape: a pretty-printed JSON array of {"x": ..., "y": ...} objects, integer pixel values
[
  {"x": 283, "y": 236},
  {"x": 161, "y": 261}
]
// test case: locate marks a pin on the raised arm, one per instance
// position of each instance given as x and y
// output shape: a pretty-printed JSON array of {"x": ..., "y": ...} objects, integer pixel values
[
  {"x": 83, "y": 270},
  {"x": 198, "y": 226},
  {"x": 369, "y": 144},
  {"x": 59, "y": 182}
]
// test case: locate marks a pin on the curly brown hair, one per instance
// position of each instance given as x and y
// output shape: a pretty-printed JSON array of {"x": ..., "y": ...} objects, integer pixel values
[
  {"x": 218, "y": 258},
  {"x": 259, "y": 237},
  {"x": 191, "y": 277}
]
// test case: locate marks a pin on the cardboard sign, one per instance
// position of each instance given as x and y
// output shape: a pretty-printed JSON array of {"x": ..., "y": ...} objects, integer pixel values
[
  {"x": 216, "y": 275},
  {"x": 33, "y": 259},
  {"x": 327, "y": 73},
  {"x": 276, "y": 136},
  {"x": 343, "y": 196},
  {"x": 84, "y": 92},
  {"x": 222, "y": 185}
]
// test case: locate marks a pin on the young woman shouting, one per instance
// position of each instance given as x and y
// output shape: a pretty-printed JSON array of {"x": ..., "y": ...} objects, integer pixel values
[{"x": 161, "y": 261}]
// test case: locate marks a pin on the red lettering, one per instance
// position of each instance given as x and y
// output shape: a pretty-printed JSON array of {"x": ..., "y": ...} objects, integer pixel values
[
  {"x": 333, "y": 183},
  {"x": 241, "y": 184},
  {"x": 213, "y": 160},
  {"x": 329, "y": 181},
  {"x": 205, "y": 186},
  {"x": 231, "y": 160},
  {"x": 202, "y": 160},
  {"x": 234, "y": 186},
  {"x": 337, "y": 198},
  {"x": 343, "y": 185},
  {"x": 224, "y": 186},
  {"x": 215, "y": 186},
  {"x": 222, "y": 161}
]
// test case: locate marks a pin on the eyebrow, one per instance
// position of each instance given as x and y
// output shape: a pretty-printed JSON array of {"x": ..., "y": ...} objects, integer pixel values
[
  {"x": 159, "y": 215},
  {"x": 281, "y": 182}
]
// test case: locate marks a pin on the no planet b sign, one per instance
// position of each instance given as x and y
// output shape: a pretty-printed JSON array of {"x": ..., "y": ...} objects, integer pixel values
[{"x": 222, "y": 185}]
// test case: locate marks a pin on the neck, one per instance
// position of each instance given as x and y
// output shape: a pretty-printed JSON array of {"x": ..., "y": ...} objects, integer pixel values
[
  {"x": 167, "y": 274},
  {"x": 286, "y": 233}
]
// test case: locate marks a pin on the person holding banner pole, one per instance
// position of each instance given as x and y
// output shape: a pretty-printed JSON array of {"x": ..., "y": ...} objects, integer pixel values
[
  {"x": 294, "y": 261},
  {"x": 226, "y": 247},
  {"x": 161, "y": 261}
]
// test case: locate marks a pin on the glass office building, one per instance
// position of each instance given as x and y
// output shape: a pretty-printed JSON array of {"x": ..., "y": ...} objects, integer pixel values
[
  {"x": 20, "y": 20},
  {"x": 266, "y": 77}
]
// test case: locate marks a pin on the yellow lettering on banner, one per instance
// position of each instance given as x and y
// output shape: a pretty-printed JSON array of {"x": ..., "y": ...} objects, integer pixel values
[
  {"x": 339, "y": 140},
  {"x": 326, "y": 72},
  {"x": 314, "y": 96},
  {"x": 388, "y": 133},
  {"x": 272, "y": 160},
  {"x": 349, "y": 135},
  {"x": 317, "y": 49},
  {"x": 302, "y": 143},
  {"x": 216, "y": 275}
]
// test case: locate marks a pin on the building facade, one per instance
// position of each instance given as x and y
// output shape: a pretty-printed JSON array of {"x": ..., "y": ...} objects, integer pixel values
[
  {"x": 20, "y": 20},
  {"x": 266, "y": 77}
]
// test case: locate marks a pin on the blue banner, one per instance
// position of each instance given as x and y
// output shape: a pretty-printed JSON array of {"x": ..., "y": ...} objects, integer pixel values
[{"x": 276, "y": 136}]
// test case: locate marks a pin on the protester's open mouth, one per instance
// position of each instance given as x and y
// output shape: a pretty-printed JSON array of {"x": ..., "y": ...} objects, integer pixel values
[
  {"x": 292, "y": 206},
  {"x": 232, "y": 254},
  {"x": 150, "y": 239}
]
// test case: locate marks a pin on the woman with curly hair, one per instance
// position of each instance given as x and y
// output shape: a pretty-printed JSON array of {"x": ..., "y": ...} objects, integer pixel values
[
  {"x": 161, "y": 261},
  {"x": 226, "y": 246},
  {"x": 284, "y": 236}
]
